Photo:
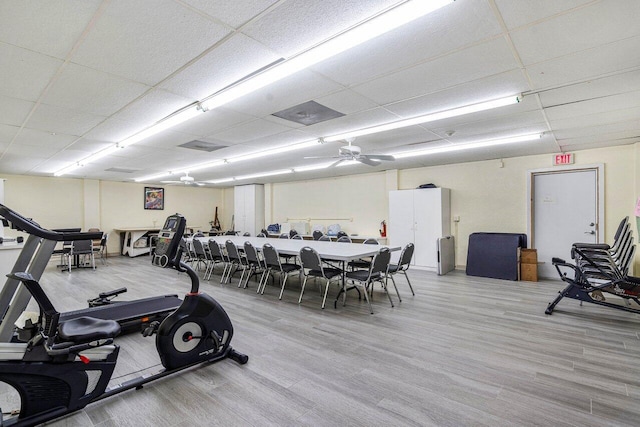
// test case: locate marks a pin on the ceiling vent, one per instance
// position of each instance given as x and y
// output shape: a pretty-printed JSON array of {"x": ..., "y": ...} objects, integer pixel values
[
  {"x": 308, "y": 113},
  {"x": 202, "y": 146}
]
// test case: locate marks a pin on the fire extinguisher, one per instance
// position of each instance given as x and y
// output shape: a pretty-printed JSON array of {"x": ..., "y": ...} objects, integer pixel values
[{"x": 383, "y": 229}]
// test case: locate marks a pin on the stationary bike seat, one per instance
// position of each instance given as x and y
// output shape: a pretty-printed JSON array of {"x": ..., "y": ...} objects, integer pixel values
[{"x": 86, "y": 329}]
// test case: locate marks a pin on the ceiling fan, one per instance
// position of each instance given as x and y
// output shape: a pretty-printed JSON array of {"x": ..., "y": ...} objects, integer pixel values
[
  {"x": 186, "y": 180},
  {"x": 354, "y": 153}
]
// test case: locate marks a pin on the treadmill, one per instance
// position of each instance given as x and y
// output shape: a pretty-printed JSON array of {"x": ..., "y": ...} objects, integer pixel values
[{"x": 35, "y": 255}]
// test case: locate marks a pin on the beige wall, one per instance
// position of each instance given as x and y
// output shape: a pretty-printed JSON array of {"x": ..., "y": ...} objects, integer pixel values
[
  {"x": 488, "y": 196},
  {"x": 65, "y": 203}
]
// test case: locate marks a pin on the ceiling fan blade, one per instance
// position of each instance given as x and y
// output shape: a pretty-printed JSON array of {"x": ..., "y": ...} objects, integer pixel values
[
  {"x": 368, "y": 161},
  {"x": 384, "y": 157},
  {"x": 336, "y": 163},
  {"x": 321, "y": 157},
  {"x": 171, "y": 182},
  {"x": 199, "y": 184}
]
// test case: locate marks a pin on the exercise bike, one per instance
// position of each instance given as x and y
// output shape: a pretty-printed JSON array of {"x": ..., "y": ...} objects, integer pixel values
[{"x": 66, "y": 365}]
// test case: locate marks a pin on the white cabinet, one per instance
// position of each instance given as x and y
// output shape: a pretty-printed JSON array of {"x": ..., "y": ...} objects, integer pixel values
[
  {"x": 420, "y": 217},
  {"x": 248, "y": 208}
]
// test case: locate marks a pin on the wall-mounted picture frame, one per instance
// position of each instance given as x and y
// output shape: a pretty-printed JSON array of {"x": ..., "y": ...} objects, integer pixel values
[{"x": 154, "y": 198}]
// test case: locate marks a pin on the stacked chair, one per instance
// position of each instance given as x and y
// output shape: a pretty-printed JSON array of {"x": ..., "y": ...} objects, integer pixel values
[{"x": 600, "y": 269}]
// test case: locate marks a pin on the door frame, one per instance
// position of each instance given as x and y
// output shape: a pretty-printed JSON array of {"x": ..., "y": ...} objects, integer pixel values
[{"x": 598, "y": 168}]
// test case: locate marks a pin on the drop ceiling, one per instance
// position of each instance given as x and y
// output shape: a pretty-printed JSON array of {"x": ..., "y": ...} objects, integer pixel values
[{"x": 80, "y": 76}]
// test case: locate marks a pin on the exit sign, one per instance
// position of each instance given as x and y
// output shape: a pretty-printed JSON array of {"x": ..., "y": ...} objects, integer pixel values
[{"x": 563, "y": 159}]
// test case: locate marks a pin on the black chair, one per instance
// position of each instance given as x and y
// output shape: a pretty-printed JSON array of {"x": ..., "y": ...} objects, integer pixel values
[
  {"x": 236, "y": 262},
  {"x": 246, "y": 234},
  {"x": 296, "y": 237},
  {"x": 344, "y": 239},
  {"x": 324, "y": 238},
  {"x": 254, "y": 263},
  {"x": 284, "y": 236},
  {"x": 402, "y": 266},
  {"x": 377, "y": 272},
  {"x": 101, "y": 249},
  {"x": 312, "y": 267},
  {"x": 317, "y": 234},
  {"x": 364, "y": 263},
  {"x": 293, "y": 233},
  {"x": 340, "y": 234},
  {"x": 80, "y": 248},
  {"x": 200, "y": 255},
  {"x": 217, "y": 257},
  {"x": 261, "y": 235},
  {"x": 273, "y": 264}
]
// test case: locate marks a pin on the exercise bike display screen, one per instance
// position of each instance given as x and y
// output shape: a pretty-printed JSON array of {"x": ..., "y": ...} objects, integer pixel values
[{"x": 169, "y": 239}]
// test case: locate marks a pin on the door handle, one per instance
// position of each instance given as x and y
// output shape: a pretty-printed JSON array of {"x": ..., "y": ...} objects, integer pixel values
[{"x": 590, "y": 232}]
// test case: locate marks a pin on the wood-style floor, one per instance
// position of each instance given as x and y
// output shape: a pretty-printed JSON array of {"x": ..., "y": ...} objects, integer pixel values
[{"x": 464, "y": 351}]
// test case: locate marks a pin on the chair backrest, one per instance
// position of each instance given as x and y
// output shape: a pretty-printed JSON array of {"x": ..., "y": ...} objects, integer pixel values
[
  {"x": 341, "y": 233},
  {"x": 82, "y": 246},
  {"x": 324, "y": 238},
  {"x": 198, "y": 248},
  {"x": 230, "y": 233},
  {"x": 247, "y": 234},
  {"x": 380, "y": 263},
  {"x": 271, "y": 256},
  {"x": 284, "y": 236},
  {"x": 317, "y": 234},
  {"x": 406, "y": 255},
  {"x": 310, "y": 259},
  {"x": 344, "y": 239},
  {"x": 296, "y": 237},
  {"x": 251, "y": 253},
  {"x": 371, "y": 241},
  {"x": 293, "y": 233},
  {"x": 232, "y": 250},
  {"x": 261, "y": 235},
  {"x": 215, "y": 251}
]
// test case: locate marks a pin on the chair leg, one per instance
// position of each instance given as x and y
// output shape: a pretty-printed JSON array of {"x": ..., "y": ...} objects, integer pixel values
[
  {"x": 326, "y": 290},
  {"x": 394, "y": 285},
  {"x": 284, "y": 282},
  {"x": 409, "y": 282},
  {"x": 366, "y": 296},
  {"x": 384, "y": 285},
  {"x": 302, "y": 290}
]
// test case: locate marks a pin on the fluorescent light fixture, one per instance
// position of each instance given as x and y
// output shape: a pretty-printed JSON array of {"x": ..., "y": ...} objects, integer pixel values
[
  {"x": 92, "y": 158},
  {"x": 171, "y": 121},
  {"x": 375, "y": 27},
  {"x": 265, "y": 153},
  {"x": 468, "y": 146},
  {"x": 313, "y": 167},
  {"x": 153, "y": 177},
  {"x": 220, "y": 181},
  {"x": 460, "y": 111},
  {"x": 261, "y": 175}
]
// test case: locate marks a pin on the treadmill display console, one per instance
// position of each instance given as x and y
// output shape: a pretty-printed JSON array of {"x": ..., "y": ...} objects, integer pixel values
[{"x": 169, "y": 240}]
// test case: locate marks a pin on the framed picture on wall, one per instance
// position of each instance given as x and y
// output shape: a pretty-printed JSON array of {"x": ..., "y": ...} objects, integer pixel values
[{"x": 154, "y": 198}]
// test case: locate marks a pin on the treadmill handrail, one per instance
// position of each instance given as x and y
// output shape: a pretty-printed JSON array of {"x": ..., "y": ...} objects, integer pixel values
[{"x": 31, "y": 227}]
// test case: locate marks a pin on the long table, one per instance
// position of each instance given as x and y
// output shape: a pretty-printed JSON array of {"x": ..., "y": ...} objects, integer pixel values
[{"x": 327, "y": 250}]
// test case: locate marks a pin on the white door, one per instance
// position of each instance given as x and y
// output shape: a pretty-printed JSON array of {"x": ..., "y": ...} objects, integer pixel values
[{"x": 565, "y": 211}]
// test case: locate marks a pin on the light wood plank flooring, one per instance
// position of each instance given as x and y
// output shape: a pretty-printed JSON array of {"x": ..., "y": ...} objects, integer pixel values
[{"x": 465, "y": 351}]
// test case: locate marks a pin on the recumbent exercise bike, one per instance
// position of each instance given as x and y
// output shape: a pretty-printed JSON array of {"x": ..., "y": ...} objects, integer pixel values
[{"x": 67, "y": 365}]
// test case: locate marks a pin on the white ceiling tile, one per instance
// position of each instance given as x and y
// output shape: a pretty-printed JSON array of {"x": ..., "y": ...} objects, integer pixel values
[
  {"x": 346, "y": 101},
  {"x": 293, "y": 26},
  {"x": 622, "y": 137},
  {"x": 569, "y": 145},
  {"x": 298, "y": 88},
  {"x": 114, "y": 130},
  {"x": 147, "y": 41},
  {"x": 597, "y": 119},
  {"x": 62, "y": 120},
  {"x": 455, "y": 26},
  {"x": 629, "y": 127},
  {"x": 48, "y": 140},
  {"x": 25, "y": 74},
  {"x": 518, "y": 124},
  {"x": 236, "y": 58},
  {"x": 14, "y": 111},
  {"x": 95, "y": 92},
  {"x": 250, "y": 131},
  {"x": 518, "y": 13},
  {"x": 481, "y": 90},
  {"x": 39, "y": 20},
  {"x": 19, "y": 164},
  {"x": 213, "y": 121},
  {"x": 598, "y": 24},
  {"x": 597, "y": 88},
  {"x": 233, "y": 13},
  {"x": 39, "y": 151},
  {"x": 593, "y": 106},
  {"x": 166, "y": 140},
  {"x": 588, "y": 64},
  {"x": 7, "y": 133},
  {"x": 152, "y": 107},
  {"x": 473, "y": 63},
  {"x": 356, "y": 121}
]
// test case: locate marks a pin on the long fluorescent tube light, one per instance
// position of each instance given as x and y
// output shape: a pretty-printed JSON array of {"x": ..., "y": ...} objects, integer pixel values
[
  {"x": 455, "y": 112},
  {"x": 169, "y": 122},
  {"x": 92, "y": 158},
  {"x": 375, "y": 27},
  {"x": 265, "y": 153},
  {"x": 261, "y": 175},
  {"x": 468, "y": 146},
  {"x": 313, "y": 167}
]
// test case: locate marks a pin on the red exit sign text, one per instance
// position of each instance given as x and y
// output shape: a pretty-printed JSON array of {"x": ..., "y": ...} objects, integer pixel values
[{"x": 563, "y": 159}]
